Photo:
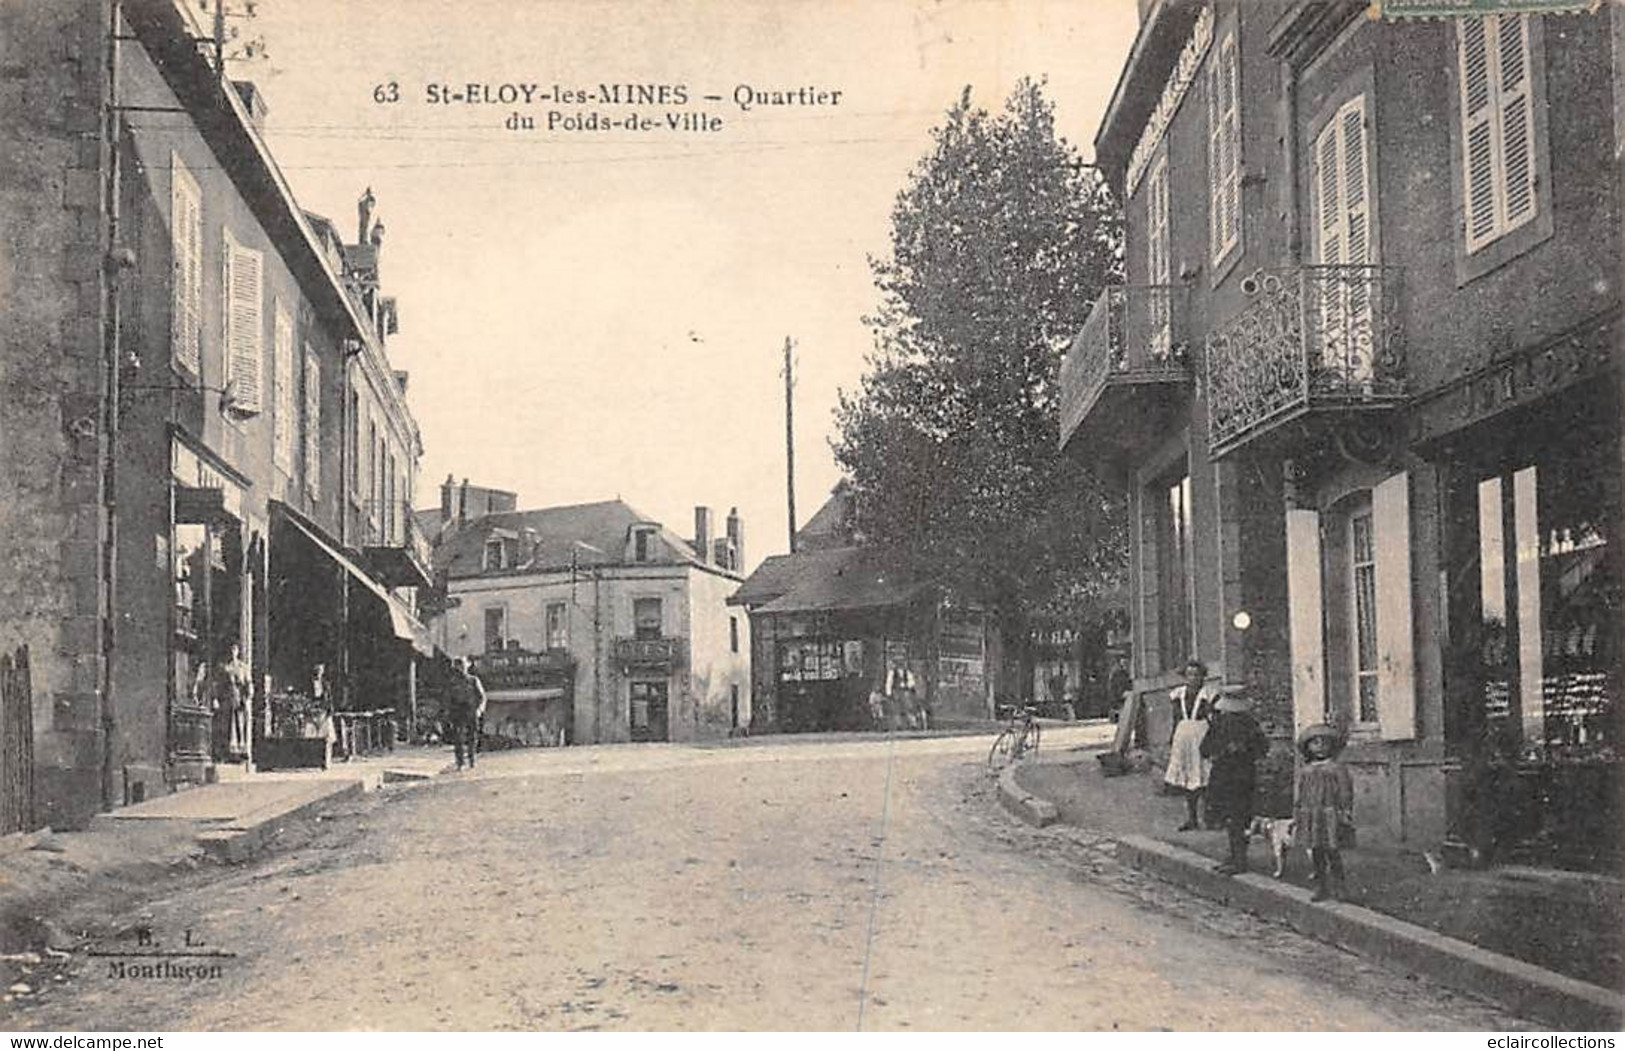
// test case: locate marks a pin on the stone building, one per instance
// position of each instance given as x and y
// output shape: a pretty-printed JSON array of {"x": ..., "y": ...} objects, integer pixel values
[
  {"x": 190, "y": 356},
  {"x": 1358, "y": 388},
  {"x": 593, "y": 623}
]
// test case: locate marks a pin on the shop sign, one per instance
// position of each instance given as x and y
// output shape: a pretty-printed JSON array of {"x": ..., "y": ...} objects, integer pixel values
[
  {"x": 1480, "y": 8},
  {"x": 648, "y": 651},
  {"x": 815, "y": 660},
  {"x": 520, "y": 669}
]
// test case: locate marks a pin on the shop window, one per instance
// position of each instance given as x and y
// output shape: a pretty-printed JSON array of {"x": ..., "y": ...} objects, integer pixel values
[
  {"x": 646, "y": 619},
  {"x": 556, "y": 637},
  {"x": 496, "y": 628},
  {"x": 1549, "y": 610},
  {"x": 1175, "y": 568}
]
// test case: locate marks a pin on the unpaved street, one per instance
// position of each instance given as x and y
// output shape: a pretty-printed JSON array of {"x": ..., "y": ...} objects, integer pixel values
[{"x": 774, "y": 885}]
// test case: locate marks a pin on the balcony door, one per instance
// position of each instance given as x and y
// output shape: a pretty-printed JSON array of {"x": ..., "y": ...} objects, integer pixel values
[
  {"x": 1342, "y": 283},
  {"x": 1157, "y": 270}
]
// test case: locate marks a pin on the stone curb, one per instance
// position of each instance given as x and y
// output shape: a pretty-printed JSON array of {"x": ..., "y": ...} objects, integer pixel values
[
  {"x": 249, "y": 835},
  {"x": 1023, "y": 804},
  {"x": 1557, "y": 999}
]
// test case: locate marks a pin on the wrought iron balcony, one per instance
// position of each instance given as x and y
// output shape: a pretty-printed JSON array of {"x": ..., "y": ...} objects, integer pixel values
[
  {"x": 402, "y": 559},
  {"x": 1124, "y": 371},
  {"x": 1312, "y": 339}
]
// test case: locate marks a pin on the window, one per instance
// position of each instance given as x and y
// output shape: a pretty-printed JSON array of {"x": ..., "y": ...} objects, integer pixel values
[
  {"x": 355, "y": 444},
  {"x": 640, "y": 544},
  {"x": 244, "y": 324},
  {"x": 496, "y": 628},
  {"x": 313, "y": 422},
  {"x": 1363, "y": 615},
  {"x": 284, "y": 422},
  {"x": 496, "y": 554},
  {"x": 1224, "y": 148},
  {"x": 1175, "y": 570},
  {"x": 646, "y": 618},
  {"x": 557, "y": 639},
  {"x": 1494, "y": 64},
  {"x": 733, "y": 634},
  {"x": 1340, "y": 210},
  {"x": 186, "y": 254},
  {"x": 1156, "y": 271}
]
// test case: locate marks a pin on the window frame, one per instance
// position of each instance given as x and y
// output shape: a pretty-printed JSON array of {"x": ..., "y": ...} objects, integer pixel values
[
  {"x": 1224, "y": 132},
  {"x": 638, "y": 629},
  {"x": 186, "y": 269},
  {"x": 1494, "y": 252},
  {"x": 501, "y": 609},
  {"x": 556, "y": 635}
]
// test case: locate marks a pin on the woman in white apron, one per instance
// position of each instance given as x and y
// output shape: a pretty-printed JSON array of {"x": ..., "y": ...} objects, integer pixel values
[{"x": 1187, "y": 770}]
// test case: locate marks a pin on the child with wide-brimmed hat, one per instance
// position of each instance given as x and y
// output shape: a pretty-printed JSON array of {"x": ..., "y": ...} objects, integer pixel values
[{"x": 1323, "y": 814}]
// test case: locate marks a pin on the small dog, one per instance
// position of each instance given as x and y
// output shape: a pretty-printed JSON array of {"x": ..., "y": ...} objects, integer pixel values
[{"x": 1277, "y": 832}]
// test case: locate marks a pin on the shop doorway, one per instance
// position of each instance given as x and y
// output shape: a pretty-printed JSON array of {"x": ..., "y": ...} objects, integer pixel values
[{"x": 648, "y": 715}]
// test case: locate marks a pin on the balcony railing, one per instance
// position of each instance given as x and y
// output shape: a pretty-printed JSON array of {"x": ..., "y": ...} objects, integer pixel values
[
  {"x": 1311, "y": 338},
  {"x": 1135, "y": 335},
  {"x": 398, "y": 550}
]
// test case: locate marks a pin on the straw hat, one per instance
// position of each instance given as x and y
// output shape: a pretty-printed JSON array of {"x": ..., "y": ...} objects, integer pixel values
[{"x": 1309, "y": 733}]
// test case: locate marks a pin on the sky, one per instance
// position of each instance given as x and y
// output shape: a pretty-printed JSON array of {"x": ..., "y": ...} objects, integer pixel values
[{"x": 596, "y": 314}]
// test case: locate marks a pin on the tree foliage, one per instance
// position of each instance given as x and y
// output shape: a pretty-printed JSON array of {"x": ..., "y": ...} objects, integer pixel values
[{"x": 1001, "y": 241}]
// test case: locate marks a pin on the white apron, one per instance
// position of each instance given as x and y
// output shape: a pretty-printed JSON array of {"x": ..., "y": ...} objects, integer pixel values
[{"x": 1186, "y": 767}]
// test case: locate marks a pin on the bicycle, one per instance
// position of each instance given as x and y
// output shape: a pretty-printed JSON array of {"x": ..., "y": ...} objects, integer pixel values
[{"x": 1018, "y": 739}]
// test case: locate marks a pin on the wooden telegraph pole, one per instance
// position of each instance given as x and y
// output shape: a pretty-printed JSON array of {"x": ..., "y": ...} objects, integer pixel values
[{"x": 790, "y": 438}]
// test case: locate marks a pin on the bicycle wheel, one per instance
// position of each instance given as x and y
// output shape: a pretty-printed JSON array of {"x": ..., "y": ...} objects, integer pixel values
[{"x": 999, "y": 755}]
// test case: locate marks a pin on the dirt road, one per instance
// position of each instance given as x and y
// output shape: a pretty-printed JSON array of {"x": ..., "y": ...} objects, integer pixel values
[{"x": 832, "y": 885}]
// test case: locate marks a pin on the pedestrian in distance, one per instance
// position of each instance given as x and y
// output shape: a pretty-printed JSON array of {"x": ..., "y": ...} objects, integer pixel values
[
  {"x": 465, "y": 710},
  {"x": 1323, "y": 811},
  {"x": 1187, "y": 771},
  {"x": 1234, "y": 743}
]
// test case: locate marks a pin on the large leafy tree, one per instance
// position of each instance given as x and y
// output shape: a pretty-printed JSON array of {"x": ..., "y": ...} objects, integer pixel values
[{"x": 1001, "y": 241}]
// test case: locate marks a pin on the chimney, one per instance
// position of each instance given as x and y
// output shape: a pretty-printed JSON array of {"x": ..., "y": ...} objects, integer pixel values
[
  {"x": 462, "y": 502},
  {"x": 702, "y": 533},
  {"x": 363, "y": 209},
  {"x": 377, "y": 236},
  {"x": 736, "y": 534},
  {"x": 448, "y": 492}
]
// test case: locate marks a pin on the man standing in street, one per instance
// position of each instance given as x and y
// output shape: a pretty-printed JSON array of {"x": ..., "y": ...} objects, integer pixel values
[{"x": 466, "y": 711}]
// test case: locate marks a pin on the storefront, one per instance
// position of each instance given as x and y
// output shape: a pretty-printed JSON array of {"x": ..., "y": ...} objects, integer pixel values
[
  {"x": 1533, "y": 714},
  {"x": 529, "y": 697}
]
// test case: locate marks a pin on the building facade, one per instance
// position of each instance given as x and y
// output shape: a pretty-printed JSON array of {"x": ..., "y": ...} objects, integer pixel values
[
  {"x": 837, "y": 619},
  {"x": 1359, "y": 389},
  {"x": 592, "y": 623},
  {"x": 212, "y": 350}
]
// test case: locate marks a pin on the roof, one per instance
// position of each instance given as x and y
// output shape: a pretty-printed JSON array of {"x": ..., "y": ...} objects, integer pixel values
[
  {"x": 831, "y": 524},
  {"x": 595, "y": 534},
  {"x": 839, "y": 578}
]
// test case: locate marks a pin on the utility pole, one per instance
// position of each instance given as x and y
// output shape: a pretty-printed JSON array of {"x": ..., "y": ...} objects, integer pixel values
[{"x": 790, "y": 438}]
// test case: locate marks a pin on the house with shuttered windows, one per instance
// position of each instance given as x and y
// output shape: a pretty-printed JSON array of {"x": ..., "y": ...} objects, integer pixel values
[{"x": 1359, "y": 388}]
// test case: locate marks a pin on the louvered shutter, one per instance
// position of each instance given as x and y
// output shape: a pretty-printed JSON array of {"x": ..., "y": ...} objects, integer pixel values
[
  {"x": 1215, "y": 162},
  {"x": 1305, "y": 617},
  {"x": 284, "y": 423},
  {"x": 1478, "y": 130},
  {"x": 245, "y": 326},
  {"x": 1396, "y": 658},
  {"x": 313, "y": 422},
  {"x": 186, "y": 251},
  {"x": 1231, "y": 193},
  {"x": 1517, "y": 118},
  {"x": 1157, "y": 258}
]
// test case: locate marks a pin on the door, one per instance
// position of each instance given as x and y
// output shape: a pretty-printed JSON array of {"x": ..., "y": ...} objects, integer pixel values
[{"x": 648, "y": 715}]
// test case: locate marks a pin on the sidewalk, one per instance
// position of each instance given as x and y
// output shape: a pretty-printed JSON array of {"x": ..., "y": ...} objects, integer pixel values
[
  {"x": 1568, "y": 923},
  {"x": 42, "y": 873}
]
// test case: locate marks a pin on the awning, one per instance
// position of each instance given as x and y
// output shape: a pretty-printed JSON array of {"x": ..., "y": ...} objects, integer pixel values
[
  {"x": 405, "y": 626},
  {"x": 516, "y": 696}
]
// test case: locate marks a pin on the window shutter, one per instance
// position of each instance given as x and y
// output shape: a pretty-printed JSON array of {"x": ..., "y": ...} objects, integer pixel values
[
  {"x": 1478, "y": 130},
  {"x": 245, "y": 326},
  {"x": 1517, "y": 118},
  {"x": 1356, "y": 191},
  {"x": 186, "y": 249},
  {"x": 313, "y": 422},
  {"x": 1215, "y": 163},
  {"x": 1328, "y": 197},
  {"x": 1305, "y": 605},
  {"x": 1157, "y": 258},
  {"x": 283, "y": 423},
  {"x": 1232, "y": 134},
  {"x": 1396, "y": 660}
]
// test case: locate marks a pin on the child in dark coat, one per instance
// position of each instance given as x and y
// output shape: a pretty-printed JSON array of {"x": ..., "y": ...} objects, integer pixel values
[
  {"x": 1323, "y": 814},
  {"x": 1235, "y": 744}
]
